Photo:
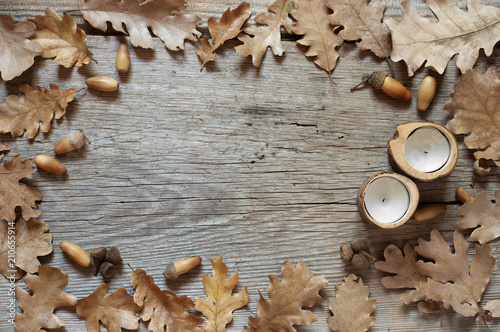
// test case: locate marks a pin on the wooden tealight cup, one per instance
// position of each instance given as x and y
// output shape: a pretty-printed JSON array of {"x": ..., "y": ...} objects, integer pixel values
[
  {"x": 424, "y": 151},
  {"x": 388, "y": 199}
]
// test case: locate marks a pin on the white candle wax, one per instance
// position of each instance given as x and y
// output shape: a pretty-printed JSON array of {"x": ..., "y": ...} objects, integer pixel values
[
  {"x": 427, "y": 149},
  {"x": 386, "y": 200}
]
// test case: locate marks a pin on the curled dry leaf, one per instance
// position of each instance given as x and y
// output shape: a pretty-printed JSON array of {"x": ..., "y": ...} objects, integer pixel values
[
  {"x": 352, "y": 307},
  {"x": 416, "y": 39},
  {"x": 115, "y": 311},
  {"x": 38, "y": 309},
  {"x": 14, "y": 193},
  {"x": 450, "y": 278},
  {"x": 318, "y": 33},
  {"x": 138, "y": 18},
  {"x": 299, "y": 288},
  {"x": 475, "y": 105},
  {"x": 493, "y": 307},
  {"x": 29, "y": 239},
  {"x": 20, "y": 114},
  {"x": 18, "y": 52},
  {"x": 482, "y": 212},
  {"x": 61, "y": 39},
  {"x": 362, "y": 22},
  {"x": 162, "y": 308},
  {"x": 267, "y": 34},
  {"x": 220, "y": 304},
  {"x": 227, "y": 28}
]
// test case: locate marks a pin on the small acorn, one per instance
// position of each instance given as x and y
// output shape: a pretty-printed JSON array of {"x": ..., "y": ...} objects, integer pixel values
[
  {"x": 122, "y": 60},
  {"x": 76, "y": 253},
  {"x": 462, "y": 195},
  {"x": 359, "y": 261},
  {"x": 183, "y": 265},
  {"x": 426, "y": 93},
  {"x": 75, "y": 140},
  {"x": 346, "y": 253},
  {"x": 107, "y": 269},
  {"x": 98, "y": 256},
  {"x": 113, "y": 256},
  {"x": 481, "y": 168},
  {"x": 393, "y": 88},
  {"x": 49, "y": 164},
  {"x": 428, "y": 211},
  {"x": 102, "y": 83},
  {"x": 359, "y": 245}
]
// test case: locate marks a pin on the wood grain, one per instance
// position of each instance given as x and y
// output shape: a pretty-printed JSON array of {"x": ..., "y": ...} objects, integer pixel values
[{"x": 260, "y": 165}]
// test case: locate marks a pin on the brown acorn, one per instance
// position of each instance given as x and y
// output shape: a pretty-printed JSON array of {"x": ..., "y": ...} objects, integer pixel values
[
  {"x": 393, "y": 88},
  {"x": 98, "y": 256},
  {"x": 359, "y": 261},
  {"x": 183, "y": 265},
  {"x": 346, "y": 253},
  {"x": 113, "y": 255},
  {"x": 75, "y": 140}
]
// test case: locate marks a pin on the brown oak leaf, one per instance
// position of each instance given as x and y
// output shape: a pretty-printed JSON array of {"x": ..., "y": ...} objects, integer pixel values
[
  {"x": 475, "y": 105},
  {"x": 450, "y": 278},
  {"x": 227, "y": 28},
  {"x": 38, "y": 309},
  {"x": 18, "y": 52},
  {"x": 61, "y": 39},
  {"x": 116, "y": 310},
  {"x": 20, "y": 114},
  {"x": 29, "y": 239},
  {"x": 363, "y": 22},
  {"x": 416, "y": 39},
  {"x": 162, "y": 308},
  {"x": 221, "y": 303},
  {"x": 14, "y": 193},
  {"x": 482, "y": 212},
  {"x": 352, "y": 307},
  {"x": 318, "y": 33},
  {"x": 4, "y": 148},
  {"x": 138, "y": 18},
  {"x": 257, "y": 38},
  {"x": 493, "y": 307},
  {"x": 299, "y": 288},
  {"x": 401, "y": 265}
]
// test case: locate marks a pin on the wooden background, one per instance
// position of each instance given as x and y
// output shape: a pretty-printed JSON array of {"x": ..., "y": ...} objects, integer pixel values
[{"x": 261, "y": 165}]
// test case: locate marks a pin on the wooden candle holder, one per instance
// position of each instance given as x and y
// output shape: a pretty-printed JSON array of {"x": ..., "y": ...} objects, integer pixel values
[
  {"x": 398, "y": 158},
  {"x": 411, "y": 188}
]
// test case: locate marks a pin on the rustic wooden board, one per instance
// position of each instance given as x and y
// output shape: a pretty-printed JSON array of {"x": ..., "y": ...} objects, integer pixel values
[{"x": 260, "y": 165}]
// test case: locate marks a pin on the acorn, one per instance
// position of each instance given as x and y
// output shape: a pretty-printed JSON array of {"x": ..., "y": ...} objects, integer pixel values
[
  {"x": 462, "y": 195},
  {"x": 381, "y": 80},
  {"x": 359, "y": 245},
  {"x": 429, "y": 211},
  {"x": 76, "y": 253},
  {"x": 75, "y": 140},
  {"x": 346, "y": 253},
  {"x": 102, "y": 83},
  {"x": 183, "y": 265},
  {"x": 49, "y": 164},
  {"x": 113, "y": 255},
  {"x": 359, "y": 261},
  {"x": 122, "y": 60},
  {"x": 426, "y": 93},
  {"x": 107, "y": 269},
  {"x": 481, "y": 168},
  {"x": 98, "y": 255}
]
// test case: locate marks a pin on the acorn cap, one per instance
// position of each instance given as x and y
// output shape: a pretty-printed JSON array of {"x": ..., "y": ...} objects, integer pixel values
[
  {"x": 107, "y": 269},
  {"x": 346, "y": 253},
  {"x": 360, "y": 262},
  {"x": 113, "y": 255},
  {"x": 170, "y": 272},
  {"x": 359, "y": 245},
  {"x": 77, "y": 139},
  {"x": 481, "y": 167},
  {"x": 377, "y": 78},
  {"x": 98, "y": 256}
]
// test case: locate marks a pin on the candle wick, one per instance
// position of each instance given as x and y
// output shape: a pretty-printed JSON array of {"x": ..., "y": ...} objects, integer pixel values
[
  {"x": 426, "y": 152},
  {"x": 383, "y": 200}
]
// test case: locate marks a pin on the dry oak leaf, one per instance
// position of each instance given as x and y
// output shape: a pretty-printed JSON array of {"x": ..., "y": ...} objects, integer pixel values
[
  {"x": 352, "y": 308},
  {"x": 258, "y": 38},
  {"x": 401, "y": 265},
  {"x": 221, "y": 303},
  {"x": 116, "y": 310},
  {"x": 14, "y": 193},
  {"x": 416, "y": 39},
  {"x": 38, "y": 309},
  {"x": 450, "y": 278},
  {"x": 138, "y": 19},
  {"x": 318, "y": 33},
  {"x": 17, "y": 52},
  {"x": 475, "y": 105},
  {"x": 29, "y": 239},
  {"x": 362, "y": 22},
  {"x": 4, "y": 148},
  {"x": 482, "y": 212},
  {"x": 163, "y": 308},
  {"x": 493, "y": 307},
  {"x": 227, "y": 28},
  {"x": 299, "y": 288},
  {"x": 20, "y": 114},
  {"x": 61, "y": 39}
]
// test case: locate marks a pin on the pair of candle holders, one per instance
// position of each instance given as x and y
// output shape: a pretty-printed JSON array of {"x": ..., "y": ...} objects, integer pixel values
[{"x": 421, "y": 151}]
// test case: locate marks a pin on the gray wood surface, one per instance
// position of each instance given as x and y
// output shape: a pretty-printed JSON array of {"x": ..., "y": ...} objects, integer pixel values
[{"x": 261, "y": 165}]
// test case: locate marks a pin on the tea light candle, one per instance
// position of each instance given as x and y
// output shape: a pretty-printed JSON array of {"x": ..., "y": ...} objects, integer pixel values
[
  {"x": 388, "y": 199},
  {"x": 427, "y": 149}
]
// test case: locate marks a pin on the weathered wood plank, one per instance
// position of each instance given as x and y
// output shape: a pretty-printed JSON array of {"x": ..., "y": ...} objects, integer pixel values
[{"x": 260, "y": 165}]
